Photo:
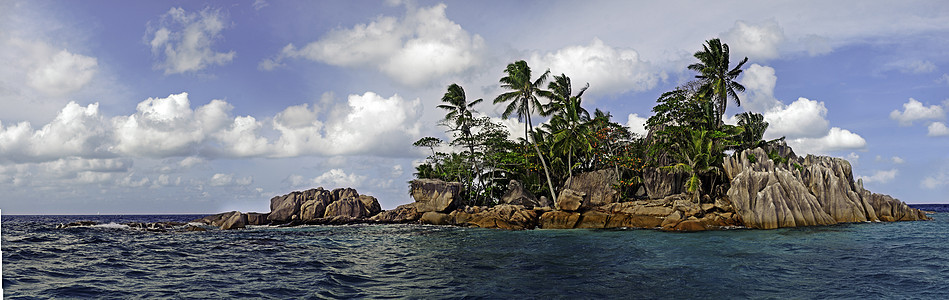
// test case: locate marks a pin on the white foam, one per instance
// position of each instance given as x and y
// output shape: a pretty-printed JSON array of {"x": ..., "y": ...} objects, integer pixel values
[{"x": 112, "y": 225}]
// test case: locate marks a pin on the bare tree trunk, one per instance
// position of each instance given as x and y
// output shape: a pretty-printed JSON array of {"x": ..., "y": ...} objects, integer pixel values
[{"x": 550, "y": 184}]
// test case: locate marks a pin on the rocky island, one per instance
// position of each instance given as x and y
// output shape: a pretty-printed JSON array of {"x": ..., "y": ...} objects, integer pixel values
[{"x": 762, "y": 195}]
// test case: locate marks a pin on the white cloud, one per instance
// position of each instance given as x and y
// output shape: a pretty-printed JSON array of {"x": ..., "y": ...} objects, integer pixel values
[
  {"x": 130, "y": 181},
  {"x": 182, "y": 41},
  {"x": 259, "y": 4},
  {"x": 912, "y": 66},
  {"x": 416, "y": 50},
  {"x": 76, "y": 131},
  {"x": 370, "y": 124},
  {"x": 164, "y": 127},
  {"x": 804, "y": 118},
  {"x": 759, "y": 82},
  {"x": 636, "y": 124},
  {"x": 835, "y": 140},
  {"x": 756, "y": 41},
  {"x": 221, "y": 179},
  {"x": 935, "y": 181},
  {"x": 916, "y": 111},
  {"x": 853, "y": 158},
  {"x": 938, "y": 129},
  {"x": 816, "y": 45},
  {"x": 50, "y": 71},
  {"x": 609, "y": 70},
  {"x": 337, "y": 178},
  {"x": 897, "y": 160},
  {"x": 880, "y": 176}
]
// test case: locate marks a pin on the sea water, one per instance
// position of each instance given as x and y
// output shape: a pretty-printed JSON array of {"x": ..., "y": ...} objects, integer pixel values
[{"x": 862, "y": 260}]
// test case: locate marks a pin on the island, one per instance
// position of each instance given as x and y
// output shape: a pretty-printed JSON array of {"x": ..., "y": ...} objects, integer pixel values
[{"x": 692, "y": 171}]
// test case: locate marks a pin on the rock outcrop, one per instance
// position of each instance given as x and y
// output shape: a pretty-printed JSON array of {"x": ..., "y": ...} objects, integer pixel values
[
  {"x": 405, "y": 213},
  {"x": 816, "y": 190},
  {"x": 517, "y": 195},
  {"x": 435, "y": 195},
  {"x": 597, "y": 187}
]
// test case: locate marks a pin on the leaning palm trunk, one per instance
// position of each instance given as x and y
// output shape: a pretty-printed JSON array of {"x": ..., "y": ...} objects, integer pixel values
[{"x": 550, "y": 184}]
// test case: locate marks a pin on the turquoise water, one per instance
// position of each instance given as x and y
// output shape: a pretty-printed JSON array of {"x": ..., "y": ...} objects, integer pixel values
[{"x": 866, "y": 260}]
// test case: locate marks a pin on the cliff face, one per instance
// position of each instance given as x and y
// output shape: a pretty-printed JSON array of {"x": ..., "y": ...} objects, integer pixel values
[{"x": 816, "y": 190}]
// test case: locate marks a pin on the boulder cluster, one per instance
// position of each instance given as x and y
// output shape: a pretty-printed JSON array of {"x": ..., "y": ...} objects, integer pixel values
[
  {"x": 815, "y": 190},
  {"x": 313, "y": 206}
]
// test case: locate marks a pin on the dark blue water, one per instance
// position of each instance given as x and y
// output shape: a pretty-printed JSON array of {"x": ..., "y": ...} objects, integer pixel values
[{"x": 866, "y": 260}]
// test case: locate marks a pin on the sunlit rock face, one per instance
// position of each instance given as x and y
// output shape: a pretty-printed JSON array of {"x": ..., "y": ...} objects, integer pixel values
[{"x": 815, "y": 190}]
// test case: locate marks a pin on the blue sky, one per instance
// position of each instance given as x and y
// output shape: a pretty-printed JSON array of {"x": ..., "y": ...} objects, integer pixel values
[{"x": 202, "y": 107}]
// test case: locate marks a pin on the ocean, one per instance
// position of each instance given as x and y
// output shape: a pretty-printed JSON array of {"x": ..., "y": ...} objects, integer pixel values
[{"x": 863, "y": 260}]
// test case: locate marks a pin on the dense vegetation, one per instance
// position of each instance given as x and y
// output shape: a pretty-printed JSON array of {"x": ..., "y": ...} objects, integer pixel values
[{"x": 687, "y": 134}]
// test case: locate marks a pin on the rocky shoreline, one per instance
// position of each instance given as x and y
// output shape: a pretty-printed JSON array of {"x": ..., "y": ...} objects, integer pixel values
[{"x": 809, "y": 191}]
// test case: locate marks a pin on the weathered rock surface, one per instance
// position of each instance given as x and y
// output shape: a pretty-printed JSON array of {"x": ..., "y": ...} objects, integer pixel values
[
  {"x": 234, "y": 220},
  {"x": 435, "y": 195},
  {"x": 403, "y": 214},
  {"x": 435, "y": 218},
  {"x": 517, "y": 195},
  {"x": 350, "y": 207},
  {"x": 597, "y": 187},
  {"x": 821, "y": 192},
  {"x": 559, "y": 220},
  {"x": 570, "y": 200},
  {"x": 662, "y": 183},
  {"x": 502, "y": 216}
]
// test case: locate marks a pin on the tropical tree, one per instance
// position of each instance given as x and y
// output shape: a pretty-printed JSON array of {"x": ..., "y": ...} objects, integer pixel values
[
  {"x": 460, "y": 113},
  {"x": 697, "y": 156},
  {"x": 523, "y": 99},
  {"x": 569, "y": 124},
  {"x": 717, "y": 78}
]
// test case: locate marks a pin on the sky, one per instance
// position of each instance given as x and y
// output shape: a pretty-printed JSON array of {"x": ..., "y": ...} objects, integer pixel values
[{"x": 154, "y": 107}]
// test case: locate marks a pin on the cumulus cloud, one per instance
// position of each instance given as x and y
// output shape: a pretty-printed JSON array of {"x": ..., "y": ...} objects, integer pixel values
[
  {"x": 181, "y": 41},
  {"x": 835, "y": 140},
  {"x": 803, "y": 118},
  {"x": 76, "y": 131},
  {"x": 917, "y": 111},
  {"x": 609, "y": 70},
  {"x": 338, "y": 178},
  {"x": 221, "y": 179},
  {"x": 636, "y": 124},
  {"x": 756, "y": 41},
  {"x": 938, "y": 129},
  {"x": 48, "y": 70},
  {"x": 935, "y": 181},
  {"x": 759, "y": 82},
  {"x": 164, "y": 127},
  {"x": 415, "y": 50},
  {"x": 880, "y": 176},
  {"x": 370, "y": 123}
]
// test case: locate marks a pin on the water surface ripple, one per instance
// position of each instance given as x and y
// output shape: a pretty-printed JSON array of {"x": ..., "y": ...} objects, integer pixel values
[{"x": 882, "y": 260}]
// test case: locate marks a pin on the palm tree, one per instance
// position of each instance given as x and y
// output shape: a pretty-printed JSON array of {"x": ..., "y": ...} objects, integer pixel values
[
  {"x": 523, "y": 98},
  {"x": 460, "y": 113},
  {"x": 568, "y": 126},
  {"x": 696, "y": 154},
  {"x": 718, "y": 81}
]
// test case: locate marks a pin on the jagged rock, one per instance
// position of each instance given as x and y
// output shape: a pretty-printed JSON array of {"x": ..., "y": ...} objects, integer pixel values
[
  {"x": 435, "y": 218},
  {"x": 569, "y": 200},
  {"x": 597, "y": 187},
  {"x": 618, "y": 220},
  {"x": 257, "y": 219},
  {"x": 559, "y": 220},
  {"x": 517, "y": 195},
  {"x": 349, "y": 207},
  {"x": 403, "y": 214},
  {"x": 662, "y": 183},
  {"x": 767, "y": 196},
  {"x": 234, "y": 220},
  {"x": 435, "y": 195},
  {"x": 504, "y": 216},
  {"x": 890, "y": 210},
  {"x": 671, "y": 220}
]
